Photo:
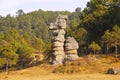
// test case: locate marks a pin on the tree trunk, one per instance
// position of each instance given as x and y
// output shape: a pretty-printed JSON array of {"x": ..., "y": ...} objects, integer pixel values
[
  {"x": 7, "y": 64},
  {"x": 107, "y": 47},
  {"x": 94, "y": 52},
  {"x": 116, "y": 51}
]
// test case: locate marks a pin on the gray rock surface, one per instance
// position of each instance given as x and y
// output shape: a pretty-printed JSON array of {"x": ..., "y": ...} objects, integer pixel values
[
  {"x": 71, "y": 52},
  {"x": 71, "y": 47},
  {"x": 53, "y": 26},
  {"x": 71, "y": 44},
  {"x": 57, "y": 44},
  {"x": 63, "y": 50},
  {"x": 58, "y": 32},
  {"x": 58, "y": 49},
  {"x": 58, "y": 53},
  {"x": 60, "y": 23},
  {"x": 58, "y": 38},
  {"x": 71, "y": 57}
]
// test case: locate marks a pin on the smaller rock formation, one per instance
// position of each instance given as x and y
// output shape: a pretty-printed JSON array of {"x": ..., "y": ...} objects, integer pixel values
[
  {"x": 112, "y": 71},
  {"x": 71, "y": 46}
]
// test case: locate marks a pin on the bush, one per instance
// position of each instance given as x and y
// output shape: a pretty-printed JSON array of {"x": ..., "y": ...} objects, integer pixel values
[
  {"x": 59, "y": 69},
  {"x": 68, "y": 67}
]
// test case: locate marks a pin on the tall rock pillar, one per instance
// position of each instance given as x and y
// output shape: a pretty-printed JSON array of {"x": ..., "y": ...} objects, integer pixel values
[{"x": 58, "y": 32}]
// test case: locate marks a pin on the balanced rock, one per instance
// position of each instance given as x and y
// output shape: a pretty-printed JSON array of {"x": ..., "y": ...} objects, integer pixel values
[
  {"x": 71, "y": 47},
  {"x": 61, "y": 21},
  {"x": 71, "y": 44}
]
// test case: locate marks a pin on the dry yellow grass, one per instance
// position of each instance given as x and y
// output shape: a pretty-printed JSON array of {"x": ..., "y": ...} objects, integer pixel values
[
  {"x": 39, "y": 76},
  {"x": 44, "y": 72}
]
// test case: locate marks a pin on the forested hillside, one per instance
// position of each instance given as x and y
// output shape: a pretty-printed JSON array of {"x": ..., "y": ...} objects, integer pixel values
[
  {"x": 100, "y": 22},
  {"x": 96, "y": 28},
  {"x": 27, "y": 33}
]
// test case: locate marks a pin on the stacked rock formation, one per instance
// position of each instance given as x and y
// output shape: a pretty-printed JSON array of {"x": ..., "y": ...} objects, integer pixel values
[
  {"x": 58, "y": 32},
  {"x": 71, "y": 46}
]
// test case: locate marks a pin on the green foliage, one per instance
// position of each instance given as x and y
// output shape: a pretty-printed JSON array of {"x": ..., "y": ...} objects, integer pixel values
[
  {"x": 2, "y": 61},
  {"x": 38, "y": 44},
  {"x": 112, "y": 38},
  {"x": 67, "y": 69},
  {"x": 99, "y": 16},
  {"x": 9, "y": 55},
  {"x": 20, "y": 12},
  {"x": 94, "y": 47},
  {"x": 59, "y": 69},
  {"x": 25, "y": 55},
  {"x": 78, "y": 9}
]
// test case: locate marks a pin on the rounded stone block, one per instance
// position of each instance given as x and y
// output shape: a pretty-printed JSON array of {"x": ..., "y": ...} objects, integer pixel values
[
  {"x": 58, "y": 53},
  {"x": 58, "y": 49},
  {"x": 71, "y": 52},
  {"x": 57, "y": 44}
]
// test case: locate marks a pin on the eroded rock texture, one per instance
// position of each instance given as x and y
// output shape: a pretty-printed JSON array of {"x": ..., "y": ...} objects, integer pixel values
[
  {"x": 71, "y": 46},
  {"x": 63, "y": 50},
  {"x": 58, "y": 32}
]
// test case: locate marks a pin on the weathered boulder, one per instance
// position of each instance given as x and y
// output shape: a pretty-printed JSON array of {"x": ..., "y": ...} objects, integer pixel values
[
  {"x": 71, "y": 52},
  {"x": 71, "y": 44},
  {"x": 71, "y": 47},
  {"x": 112, "y": 71},
  {"x": 71, "y": 57},
  {"x": 61, "y": 21},
  {"x": 58, "y": 38}
]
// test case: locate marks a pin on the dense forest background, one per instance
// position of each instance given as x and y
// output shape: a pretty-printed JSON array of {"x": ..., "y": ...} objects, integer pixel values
[{"x": 96, "y": 28}]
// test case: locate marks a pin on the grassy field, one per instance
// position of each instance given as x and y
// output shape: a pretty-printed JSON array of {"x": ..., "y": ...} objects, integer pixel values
[
  {"x": 37, "y": 73},
  {"x": 96, "y": 71}
]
